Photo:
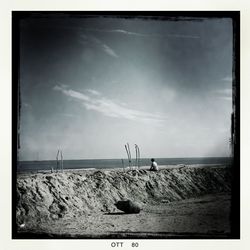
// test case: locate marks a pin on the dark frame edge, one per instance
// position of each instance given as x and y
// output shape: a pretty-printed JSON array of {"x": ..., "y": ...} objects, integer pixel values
[
  {"x": 16, "y": 102},
  {"x": 235, "y": 204}
]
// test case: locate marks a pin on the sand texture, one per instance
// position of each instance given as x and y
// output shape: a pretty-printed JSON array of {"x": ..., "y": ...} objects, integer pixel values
[{"x": 190, "y": 201}]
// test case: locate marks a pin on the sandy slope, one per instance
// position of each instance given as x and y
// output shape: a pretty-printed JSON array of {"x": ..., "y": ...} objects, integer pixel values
[{"x": 175, "y": 201}]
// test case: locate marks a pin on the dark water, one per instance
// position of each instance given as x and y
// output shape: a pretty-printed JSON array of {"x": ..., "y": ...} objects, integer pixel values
[{"x": 115, "y": 163}]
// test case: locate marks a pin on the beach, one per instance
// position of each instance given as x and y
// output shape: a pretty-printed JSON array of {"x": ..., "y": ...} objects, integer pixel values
[{"x": 181, "y": 201}]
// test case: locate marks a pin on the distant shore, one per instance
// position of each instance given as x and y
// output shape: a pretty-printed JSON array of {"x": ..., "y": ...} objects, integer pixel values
[
  {"x": 125, "y": 169},
  {"x": 116, "y": 163}
]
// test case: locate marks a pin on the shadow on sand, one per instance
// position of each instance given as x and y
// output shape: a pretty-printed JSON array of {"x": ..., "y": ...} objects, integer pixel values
[{"x": 117, "y": 213}]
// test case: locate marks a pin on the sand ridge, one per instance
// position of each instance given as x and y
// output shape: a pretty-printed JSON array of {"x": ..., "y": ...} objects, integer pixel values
[{"x": 80, "y": 199}]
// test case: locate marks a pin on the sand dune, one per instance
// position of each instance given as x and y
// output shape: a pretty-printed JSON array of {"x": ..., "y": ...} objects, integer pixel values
[{"x": 81, "y": 203}]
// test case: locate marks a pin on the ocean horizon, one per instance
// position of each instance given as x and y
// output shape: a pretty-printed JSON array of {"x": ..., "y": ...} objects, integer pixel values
[{"x": 40, "y": 165}]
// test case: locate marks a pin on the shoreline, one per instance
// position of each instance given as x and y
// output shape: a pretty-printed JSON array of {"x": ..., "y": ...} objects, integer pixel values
[{"x": 161, "y": 167}]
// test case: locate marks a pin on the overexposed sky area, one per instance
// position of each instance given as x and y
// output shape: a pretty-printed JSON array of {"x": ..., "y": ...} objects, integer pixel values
[{"x": 90, "y": 85}]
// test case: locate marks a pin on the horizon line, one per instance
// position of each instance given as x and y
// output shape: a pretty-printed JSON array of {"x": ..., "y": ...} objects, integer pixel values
[{"x": 90, "y": 159}]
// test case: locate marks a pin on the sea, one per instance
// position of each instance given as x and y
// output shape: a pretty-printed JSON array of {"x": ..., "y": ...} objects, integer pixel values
[{"x": 23, "y": 166}]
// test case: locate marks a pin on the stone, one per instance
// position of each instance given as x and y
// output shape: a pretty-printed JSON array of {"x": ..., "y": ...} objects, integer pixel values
[{"x": 128, "y": 207}]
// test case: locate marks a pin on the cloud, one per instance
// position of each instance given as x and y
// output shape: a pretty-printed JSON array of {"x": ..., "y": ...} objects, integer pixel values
[
  {"x": 94, "y": 92},
  {"x": 68, "y": 115},
  {"x": 125, "y": 32},
  {"x": 96, "y": 102},
  {"x": 227, "y": 79},
  {"x": 224, "y": 94},
  {"x": 27, "y": 105},
  {"x": 71, "y": 93},
  {"x": 226, "y": 98},
  {"x": 108, "y": 50},
  {"x": 85, "y": 39}
]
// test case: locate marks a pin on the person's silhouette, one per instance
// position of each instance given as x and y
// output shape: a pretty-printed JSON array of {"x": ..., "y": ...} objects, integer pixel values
[{"x": 154, "y": 166}]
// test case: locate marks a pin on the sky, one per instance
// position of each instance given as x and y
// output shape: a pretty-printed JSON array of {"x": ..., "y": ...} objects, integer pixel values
[{"x": 89, "y": 85}]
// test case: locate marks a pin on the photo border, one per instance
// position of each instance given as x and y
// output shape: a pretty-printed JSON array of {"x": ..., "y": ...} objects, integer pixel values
[{"x": 157, "y": 15}]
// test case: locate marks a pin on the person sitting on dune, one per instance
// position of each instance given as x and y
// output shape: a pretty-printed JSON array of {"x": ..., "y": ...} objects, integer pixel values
[{"x": 154, "y": 166}]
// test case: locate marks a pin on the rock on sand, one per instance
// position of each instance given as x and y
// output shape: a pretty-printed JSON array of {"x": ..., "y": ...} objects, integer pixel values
[{"x": 127, "y": 206}]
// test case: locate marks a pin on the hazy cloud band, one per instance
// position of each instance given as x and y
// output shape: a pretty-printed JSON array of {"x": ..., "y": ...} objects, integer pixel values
[{"x": 95, "y": 101}]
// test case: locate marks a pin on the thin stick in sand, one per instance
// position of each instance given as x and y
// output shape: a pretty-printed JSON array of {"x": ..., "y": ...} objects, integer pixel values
[
  {"x": 130, "y": 162},
  {"x": 61, "y": 161},
  {"x": 57, "y": 160},
  {"x": 138, "y": 149},
  {"x": 127, "y": 154},
  {"x": 123, "y": 165},
  {"x": 136, "y": 155}
]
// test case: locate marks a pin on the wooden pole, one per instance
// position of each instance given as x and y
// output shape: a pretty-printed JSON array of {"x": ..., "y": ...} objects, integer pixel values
[
  {"x": 123, "y": 165},
  {"x": 130, "y": 162},
  {"x": 57, "y": 161},
  {"x": 61, "y": 161},
  {"x": 138, "y": 149},
  {"x": 127, "y": 154},
  {"x": 136, "y": 155}
]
